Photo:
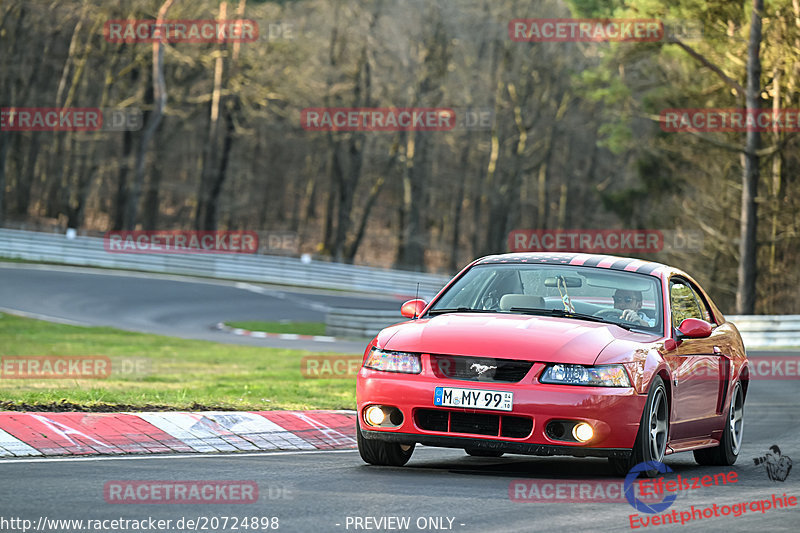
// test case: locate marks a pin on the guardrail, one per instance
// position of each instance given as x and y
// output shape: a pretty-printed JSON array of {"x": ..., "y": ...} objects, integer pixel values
[
  {"x": 363, "y": 323},
  {"x": 89, "y": 251},
  {"x": 767, "y": 331},
  {"x": 758, "y": 331}
]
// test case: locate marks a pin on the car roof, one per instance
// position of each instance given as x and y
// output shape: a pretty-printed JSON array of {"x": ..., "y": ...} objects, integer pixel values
[{"x": 627, "y": 264}]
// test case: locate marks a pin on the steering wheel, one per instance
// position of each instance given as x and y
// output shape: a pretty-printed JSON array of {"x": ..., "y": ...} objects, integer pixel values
[
  {"x": 490, "y": 302},
  {"x": 607, "y": 314}
]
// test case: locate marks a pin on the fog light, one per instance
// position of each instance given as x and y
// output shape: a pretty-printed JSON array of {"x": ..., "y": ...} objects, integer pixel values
[
  {"x": 582, "y": 432},
  {"x": 375, "y": 416}
]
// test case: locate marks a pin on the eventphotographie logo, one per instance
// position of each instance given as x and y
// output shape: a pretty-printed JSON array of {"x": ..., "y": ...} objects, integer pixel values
[
  {"x": 777, "y": 465},
  {"x": 637, "y": 502}
]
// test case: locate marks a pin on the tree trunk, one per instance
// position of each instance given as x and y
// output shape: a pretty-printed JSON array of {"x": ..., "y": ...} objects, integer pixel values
[
  {"x": 458, "y": 206},
  {"x": 352, "y": 248},
  {"x": 746, "y": 287},
  {"x": 206, "y": 215},
  {"x": 160, "y": 100},
  {"x": 27, "y": 177}
]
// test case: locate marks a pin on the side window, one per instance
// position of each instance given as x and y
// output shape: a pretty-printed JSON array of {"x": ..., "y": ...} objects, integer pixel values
[
  {"x": 683, "y": 302},
  {"x": 703, "y": 307}
]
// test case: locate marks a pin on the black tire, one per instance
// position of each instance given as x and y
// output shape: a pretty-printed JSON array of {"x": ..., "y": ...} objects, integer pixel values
[
  {"x": 382, "y": 453},
  {"x": 478, "y": 452},
  {"x": 728, "y": 450},
  {"x": 648, "y": 446}
]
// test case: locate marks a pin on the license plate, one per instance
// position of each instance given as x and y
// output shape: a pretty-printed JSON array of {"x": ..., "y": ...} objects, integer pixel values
[{"x": 473, "y": 398}]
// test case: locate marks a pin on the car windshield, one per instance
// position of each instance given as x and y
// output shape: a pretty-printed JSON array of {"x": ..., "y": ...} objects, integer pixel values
[{"x": 628, "y": 299}]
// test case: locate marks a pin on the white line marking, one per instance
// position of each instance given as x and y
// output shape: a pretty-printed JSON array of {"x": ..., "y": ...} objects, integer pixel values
[
  {"x": 167, "y": 456},
  {"x": 46, "y": 318}
]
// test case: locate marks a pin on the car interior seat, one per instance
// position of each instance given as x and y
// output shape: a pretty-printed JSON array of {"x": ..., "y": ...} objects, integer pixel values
[{"x": 521, "y": 300}]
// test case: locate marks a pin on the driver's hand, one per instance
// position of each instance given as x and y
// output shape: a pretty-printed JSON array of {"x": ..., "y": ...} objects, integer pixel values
[{"x": 629, "y": 315}]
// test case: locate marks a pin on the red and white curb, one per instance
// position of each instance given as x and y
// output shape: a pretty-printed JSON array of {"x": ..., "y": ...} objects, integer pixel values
[
  {"x": 53, "y": 434},
  {"x": 265, "y": 335}
]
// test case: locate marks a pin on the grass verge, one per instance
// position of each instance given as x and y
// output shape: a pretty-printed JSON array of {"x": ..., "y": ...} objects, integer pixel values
[{"x": 156, "y": 372}]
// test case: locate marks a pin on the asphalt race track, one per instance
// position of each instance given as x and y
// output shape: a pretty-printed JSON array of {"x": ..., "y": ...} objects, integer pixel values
[
  {"x": 318, "y": 490},
  {"x": 335, "y": 491},
  {"x": 172, "y": 305}
]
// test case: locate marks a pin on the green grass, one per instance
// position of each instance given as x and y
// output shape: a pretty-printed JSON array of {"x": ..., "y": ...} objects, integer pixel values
[
  {"x": 299, "y": 328},
  {"x": 174, "y": 373}
]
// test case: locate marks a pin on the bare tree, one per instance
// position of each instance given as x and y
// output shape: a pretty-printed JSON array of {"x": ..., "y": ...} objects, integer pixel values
[{"x": 160, "y": 101}]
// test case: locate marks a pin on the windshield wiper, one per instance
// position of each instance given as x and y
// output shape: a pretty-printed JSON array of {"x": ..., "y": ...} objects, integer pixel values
[
  {"x": 565, "y": 314},
  {"x": 434, "y": 312}
]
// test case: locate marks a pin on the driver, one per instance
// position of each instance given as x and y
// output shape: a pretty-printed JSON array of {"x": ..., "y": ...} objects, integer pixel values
[{"x": 630, "y": 303}]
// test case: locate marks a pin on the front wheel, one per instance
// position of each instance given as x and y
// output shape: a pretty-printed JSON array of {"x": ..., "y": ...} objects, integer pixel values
[
  {"x": 382, "y": 453},
  {"x": 728, "y": 450},
  {"x": 651, "y": 441}
]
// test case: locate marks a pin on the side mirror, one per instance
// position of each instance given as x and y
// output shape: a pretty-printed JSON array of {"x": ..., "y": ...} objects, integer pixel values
[
  {"x": 694, "y": 328},
  {"x": 412, "y": 308}
]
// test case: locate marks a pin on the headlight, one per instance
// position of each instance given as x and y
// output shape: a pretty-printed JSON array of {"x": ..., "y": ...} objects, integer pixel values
[
  {"x": 597, "y": 376},
  {"x": 407, "y": 363}
]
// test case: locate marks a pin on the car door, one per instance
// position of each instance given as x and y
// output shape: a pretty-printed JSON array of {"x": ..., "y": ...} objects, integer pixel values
[{"x": 698, "y": 370}]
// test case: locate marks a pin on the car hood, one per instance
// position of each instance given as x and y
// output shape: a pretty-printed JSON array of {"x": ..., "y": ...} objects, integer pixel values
[{"x": 524, "y": 337}]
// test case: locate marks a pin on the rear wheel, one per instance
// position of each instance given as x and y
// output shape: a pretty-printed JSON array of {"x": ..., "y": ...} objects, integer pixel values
[
  {"x": 478, "y": 452},
  {"x": 382, "y": 453},
  {"x": 651, "y": 441},
  {"x": 728, "y": 450}
]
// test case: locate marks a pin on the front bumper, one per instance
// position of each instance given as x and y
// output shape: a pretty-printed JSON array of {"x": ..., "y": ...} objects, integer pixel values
[
  {"x": 504, "y": 446},
  {"x": 613, "y": 413}
]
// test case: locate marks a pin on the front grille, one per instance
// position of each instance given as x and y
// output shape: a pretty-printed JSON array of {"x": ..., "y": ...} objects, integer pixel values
[
  {"x": 485, "y": 369},
  {"x": 477, "y": 424},
  {"x": 513, "y": 427}
]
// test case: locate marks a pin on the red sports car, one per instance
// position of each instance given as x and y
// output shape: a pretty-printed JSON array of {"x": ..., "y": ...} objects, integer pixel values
[{"x": 557, "y": 354}]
